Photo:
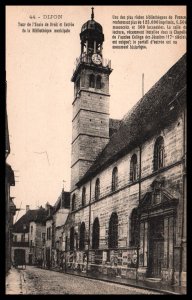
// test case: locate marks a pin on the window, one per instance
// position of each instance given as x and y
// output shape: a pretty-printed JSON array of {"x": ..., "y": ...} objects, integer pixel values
[
  {"x": 48, "y": 233},
  {"x": 73, "y": 202},
  {"x": 98, "y": 82},
  {"x": 114, "y": 179},
  {"x": 23, "y": 237},
  {"x": 134, "y": 228},
  {"x": 92, "y": 81},
  {"x": 82, "y": 237},
  {"x": 95, "y": 235},
  {"x": 83, "y": 196},
  {"x": 72, "y": 238},
  {"x": 113, "y": 231},
  {"x": 31, "y": 229},
  {"x": 43, "y": 238},
  {"x": 97, "y": 189},
  {"x": 15, "y": 238},
  {"x": 159, "y": 153},
  {"x": 133, "y": 168}
]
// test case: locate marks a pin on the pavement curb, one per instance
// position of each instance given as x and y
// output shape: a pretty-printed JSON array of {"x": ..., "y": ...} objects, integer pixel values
[
  {"x": 121, "y": 283},
  {"x": 126, "y": 284}
]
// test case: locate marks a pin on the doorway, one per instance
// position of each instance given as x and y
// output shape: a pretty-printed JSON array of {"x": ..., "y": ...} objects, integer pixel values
[
  {"x": 30, "y": 259},
  {"x": 156, "y": 246}
]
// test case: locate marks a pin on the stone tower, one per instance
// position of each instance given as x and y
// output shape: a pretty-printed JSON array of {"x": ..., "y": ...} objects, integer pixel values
[{"x": 90, "y": 123}]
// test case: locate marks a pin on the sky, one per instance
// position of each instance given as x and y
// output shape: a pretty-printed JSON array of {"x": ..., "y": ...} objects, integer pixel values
[{"x": 39, "y": 67}]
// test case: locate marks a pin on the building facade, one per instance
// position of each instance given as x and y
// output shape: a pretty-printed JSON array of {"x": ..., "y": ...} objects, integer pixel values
[
  {"x": 128, "y": 189},
  {"x": 10, "y": 208},
  {"x": 28, "y": 235},
  {"x": 56, "y": 216}
]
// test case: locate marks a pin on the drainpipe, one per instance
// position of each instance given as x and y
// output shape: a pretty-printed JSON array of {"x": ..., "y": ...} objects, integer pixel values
[
  {"x": 89, "y": 227},
  {"x": 183, "y": 231},
  {"x": 138, "y": 247}
]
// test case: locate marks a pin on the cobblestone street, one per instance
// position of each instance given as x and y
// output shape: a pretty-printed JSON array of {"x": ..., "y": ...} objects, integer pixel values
[{"x": 41, "y": 281}]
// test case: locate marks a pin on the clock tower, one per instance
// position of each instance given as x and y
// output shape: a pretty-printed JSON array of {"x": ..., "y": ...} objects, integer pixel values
[{"x": 90, "y": 122}]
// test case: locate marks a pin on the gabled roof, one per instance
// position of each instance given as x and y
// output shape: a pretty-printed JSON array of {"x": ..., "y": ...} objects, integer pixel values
[
  {"x": 150, "y": 115},
  {"x": 32, "y": 215},
  {"x": 63, "y": 201},
  {"x": 22, "y": 225}
]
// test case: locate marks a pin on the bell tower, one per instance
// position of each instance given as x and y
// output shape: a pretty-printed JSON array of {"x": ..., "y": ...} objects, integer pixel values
[{"x": 90, "y": 123}]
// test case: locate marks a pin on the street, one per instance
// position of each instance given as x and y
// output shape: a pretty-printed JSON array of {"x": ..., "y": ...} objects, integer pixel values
[{"x": 41, "y": 281}]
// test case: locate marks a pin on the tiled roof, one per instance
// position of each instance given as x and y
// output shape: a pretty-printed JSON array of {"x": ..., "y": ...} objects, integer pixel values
[
  {"x": 62, "y": 201},
  {"x": 114, "y": 125},
  {"x": 36, "y": 215},
  {"x": 151, "y": 114},
  {"x": 22, "y": 225}
]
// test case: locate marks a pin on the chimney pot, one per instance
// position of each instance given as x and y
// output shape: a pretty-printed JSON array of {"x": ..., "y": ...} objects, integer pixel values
[{"x": 27, "y": 208}]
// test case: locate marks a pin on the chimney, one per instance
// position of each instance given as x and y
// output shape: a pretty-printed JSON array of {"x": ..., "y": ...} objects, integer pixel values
[{"x": 27, "y": 208}]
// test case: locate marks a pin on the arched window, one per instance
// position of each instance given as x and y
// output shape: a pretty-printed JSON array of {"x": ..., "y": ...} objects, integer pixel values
[
  {"x": 97, "y": 189},
  {"x": 92, "y": 81},
  {"x": 82, "y": 237},
  {"x": 83, "y": 196},
  {"x": 133, "y": 168},
  {"x": 159, "y": 153},
  {"x": 96, "y": 234},
  {"x": 114, "y": 179},
  {"x": 72, "y": 235},
  {"x": 113, "y": 231},
  {"x": 98, "y": 82},
  {"x": 134, "y": 228},
  {"x": 73, "y": 202}
]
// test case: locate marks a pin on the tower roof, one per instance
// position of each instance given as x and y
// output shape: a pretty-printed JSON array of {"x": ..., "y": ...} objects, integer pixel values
[
  {"x": 92, "y": 25},
  {"x": 92, "y": 30}
]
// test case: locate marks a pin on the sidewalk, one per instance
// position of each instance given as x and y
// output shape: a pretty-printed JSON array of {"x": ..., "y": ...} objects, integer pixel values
[
  {"x": 153, "y": 286},
  {"x": 13, "y": 282}
]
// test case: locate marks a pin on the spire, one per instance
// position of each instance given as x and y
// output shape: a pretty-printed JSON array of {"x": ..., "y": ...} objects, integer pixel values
[{"x": 92, "y": 14}]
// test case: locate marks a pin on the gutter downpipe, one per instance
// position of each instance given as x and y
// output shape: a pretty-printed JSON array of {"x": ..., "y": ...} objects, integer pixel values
[
  {"x": 138, "y": 247},
  {"x": 183, "y": 231},
  {"x": 89, "y": 228}
]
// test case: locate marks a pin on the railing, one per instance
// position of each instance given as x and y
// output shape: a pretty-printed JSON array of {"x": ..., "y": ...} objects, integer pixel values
[
  {"x": 20, "y": 244},
  {"x": 85, "y": 58},
  {"x": 125, "y": 258}
]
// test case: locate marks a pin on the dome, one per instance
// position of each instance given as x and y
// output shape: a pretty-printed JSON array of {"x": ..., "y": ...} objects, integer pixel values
[
  {"x": 92, "y": 25},
  {"x": 92, "y": 31}
]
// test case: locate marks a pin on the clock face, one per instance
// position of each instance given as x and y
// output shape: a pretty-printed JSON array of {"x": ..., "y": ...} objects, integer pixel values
[{"x": 96, "y": 58}]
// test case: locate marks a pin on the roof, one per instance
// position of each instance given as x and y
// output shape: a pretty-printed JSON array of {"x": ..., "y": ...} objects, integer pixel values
[
  {"x": 153, "y": 112},
  {"x": 63, "y": 201},
  {"x": 10, "y": 174},
  {"x": 32, "y": 215},
  {"x": 113, "y": 126}
]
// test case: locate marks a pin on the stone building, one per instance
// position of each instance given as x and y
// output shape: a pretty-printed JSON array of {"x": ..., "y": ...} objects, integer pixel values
[
  {"x": 37, "y": 236},
  {"x": 28, "y": 235},
  {"x": 56, "y": 217},
  {"x": 128, "y": 181}
]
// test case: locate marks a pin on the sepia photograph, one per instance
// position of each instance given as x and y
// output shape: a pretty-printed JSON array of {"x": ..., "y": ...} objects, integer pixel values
[{"x": 96, "y": 150}]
